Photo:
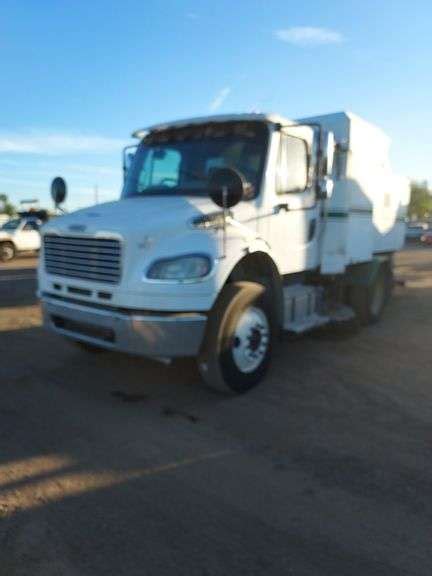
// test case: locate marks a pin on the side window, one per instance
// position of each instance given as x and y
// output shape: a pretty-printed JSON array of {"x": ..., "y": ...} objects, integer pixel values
[
  {"x": 292, "y": 171},
  {"x": 30, "y": 226}
]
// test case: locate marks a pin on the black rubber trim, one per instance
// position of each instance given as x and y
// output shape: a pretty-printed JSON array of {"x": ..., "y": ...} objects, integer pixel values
[
  {"x": 129, "y": 311},
  {"x": 83, "y": 328}
]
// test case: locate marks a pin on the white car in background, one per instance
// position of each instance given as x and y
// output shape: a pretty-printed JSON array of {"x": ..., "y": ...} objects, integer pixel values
[{"x": 19, "y": 235}]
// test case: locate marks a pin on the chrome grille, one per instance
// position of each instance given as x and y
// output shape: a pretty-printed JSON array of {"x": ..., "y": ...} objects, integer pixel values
[{"x": 97, "y": 259}]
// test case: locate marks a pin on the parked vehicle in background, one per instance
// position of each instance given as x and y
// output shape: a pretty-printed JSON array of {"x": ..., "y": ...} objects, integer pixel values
[
  {"x": 230, "y": 230},
  {"x": 415, "y": 231},
  {"x": 19, "y": 235},
  {"x": 3, "y": 219},
  {"x": 426, "y": 238}
]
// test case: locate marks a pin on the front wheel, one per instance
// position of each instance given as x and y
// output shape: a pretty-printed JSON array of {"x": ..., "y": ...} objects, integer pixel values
[{"x": 237, "y": 347}]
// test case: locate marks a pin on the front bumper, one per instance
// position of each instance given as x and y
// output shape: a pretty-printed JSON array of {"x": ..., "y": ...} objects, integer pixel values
[{"x": 145, "y": 334}]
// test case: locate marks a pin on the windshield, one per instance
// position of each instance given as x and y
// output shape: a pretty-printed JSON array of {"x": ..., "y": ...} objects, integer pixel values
[
  {"x": 11, "y": 224},
  {"x": 178, "y": 161}
]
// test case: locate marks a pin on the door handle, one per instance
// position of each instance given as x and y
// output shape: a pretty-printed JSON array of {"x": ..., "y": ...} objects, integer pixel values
[{"x": 280, "y": 207}]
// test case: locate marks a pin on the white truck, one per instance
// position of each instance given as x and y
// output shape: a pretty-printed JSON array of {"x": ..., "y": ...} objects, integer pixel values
[
  {"x": 19, "y": 234},
  {"x": 230, "y": 229}
]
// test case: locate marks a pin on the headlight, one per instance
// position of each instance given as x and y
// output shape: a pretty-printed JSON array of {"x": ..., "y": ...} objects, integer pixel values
[{"x": 182, "y": 268}]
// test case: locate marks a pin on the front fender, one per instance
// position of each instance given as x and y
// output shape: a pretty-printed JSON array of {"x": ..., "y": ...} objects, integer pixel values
[
  {"x": 255, "y": 263},
  {"x": 237, "y": 251}
]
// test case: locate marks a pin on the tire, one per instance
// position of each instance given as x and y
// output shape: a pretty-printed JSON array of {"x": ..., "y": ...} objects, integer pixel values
[
  {"x": 238, "y": 343},
  {"x": 369, "y": 302},
  {"x": 7, "y": 252}
]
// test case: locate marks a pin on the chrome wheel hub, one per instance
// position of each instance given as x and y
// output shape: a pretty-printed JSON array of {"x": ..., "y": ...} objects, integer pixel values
[{"x": 251, "y": 340}]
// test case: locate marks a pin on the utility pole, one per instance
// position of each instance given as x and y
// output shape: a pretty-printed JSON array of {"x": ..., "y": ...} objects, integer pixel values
[{"x": 96, "y": 194}]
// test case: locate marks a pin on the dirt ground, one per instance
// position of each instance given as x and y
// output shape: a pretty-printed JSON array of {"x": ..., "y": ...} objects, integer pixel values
[{"x": 112, "y": 465}]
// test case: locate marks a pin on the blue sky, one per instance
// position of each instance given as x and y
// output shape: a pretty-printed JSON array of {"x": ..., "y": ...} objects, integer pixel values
[{"x": 78, "y": 76}]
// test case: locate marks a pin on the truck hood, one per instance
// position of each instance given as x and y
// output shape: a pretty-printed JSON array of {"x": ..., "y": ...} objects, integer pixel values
[{"x": 154, "y": 214}]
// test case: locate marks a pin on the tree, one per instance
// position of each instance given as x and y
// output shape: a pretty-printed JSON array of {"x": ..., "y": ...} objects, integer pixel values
[
  {"x": 5, "y": 206},
  {"x": 421, "y": 201}
]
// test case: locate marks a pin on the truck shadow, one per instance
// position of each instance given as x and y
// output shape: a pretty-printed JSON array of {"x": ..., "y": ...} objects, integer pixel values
[
  {"x": 85, "y": 520},
  {"x": 92, "y": 481},
  {"x": 17, "y": 287}
]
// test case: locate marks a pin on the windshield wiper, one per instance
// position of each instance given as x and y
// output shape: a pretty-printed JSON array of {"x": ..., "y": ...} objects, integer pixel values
[{"x": 168, "y": 192}]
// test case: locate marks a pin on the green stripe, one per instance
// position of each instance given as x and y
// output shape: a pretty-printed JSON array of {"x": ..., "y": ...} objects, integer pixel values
[
  {"x": 361, "y": 211},
  {"x": 358, "y": 211},
  {"x": 340, "y": 214}
]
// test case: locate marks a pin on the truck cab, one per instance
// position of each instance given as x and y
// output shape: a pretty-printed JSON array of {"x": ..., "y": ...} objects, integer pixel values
[
  {"x": 220, "y": 241},
  {"x": 19, "y": 235}
]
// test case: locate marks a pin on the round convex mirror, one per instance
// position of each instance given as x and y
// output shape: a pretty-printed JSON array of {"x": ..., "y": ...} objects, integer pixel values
[{"x": 226, "y": 187}]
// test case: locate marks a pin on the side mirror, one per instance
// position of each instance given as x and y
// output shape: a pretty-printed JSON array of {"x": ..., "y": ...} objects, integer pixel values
[
  {"x": 159, "y": 154},
  {"x": 226, "y": 187},
  {"x": 329, "y": 154},
  {"x": 58, "y": 190},
  {"x": 325, "y": 182},
  {"x": 325, "y": 188}
]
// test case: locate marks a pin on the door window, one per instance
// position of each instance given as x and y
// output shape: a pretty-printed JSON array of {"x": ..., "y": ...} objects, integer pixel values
[{"x": 292, "y": 172}]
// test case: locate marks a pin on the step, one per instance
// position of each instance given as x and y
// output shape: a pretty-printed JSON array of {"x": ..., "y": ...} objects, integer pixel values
[
  {"x": 307, "y": 323},
  {"x": 341, "y": 314}
]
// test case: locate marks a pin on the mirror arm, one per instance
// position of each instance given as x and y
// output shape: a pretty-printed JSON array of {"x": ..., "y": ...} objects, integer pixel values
[{"x": 225, "y": 213}]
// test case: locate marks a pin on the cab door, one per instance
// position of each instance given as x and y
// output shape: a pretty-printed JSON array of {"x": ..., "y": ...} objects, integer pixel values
[
  {"x": 28, "y": 236},
  {"x": 294, "y": 226}
]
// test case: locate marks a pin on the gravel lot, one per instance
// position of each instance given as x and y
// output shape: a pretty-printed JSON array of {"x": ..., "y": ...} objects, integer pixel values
[{"x": 112, "y": 465}]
